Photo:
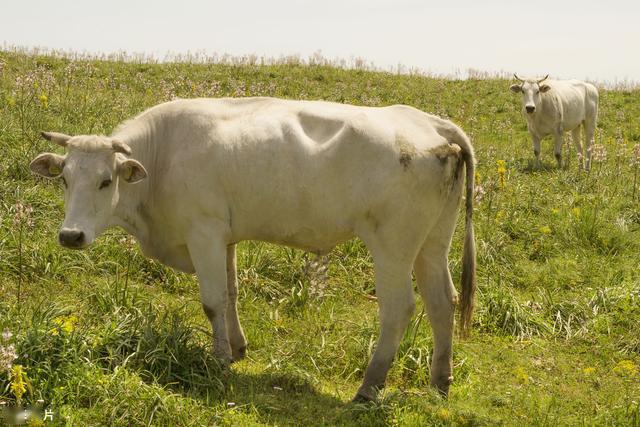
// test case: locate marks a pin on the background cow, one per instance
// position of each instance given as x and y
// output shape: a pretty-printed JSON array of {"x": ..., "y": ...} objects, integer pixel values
[
  {"x": 213, "y": 172},
  {"x": 552, "y": 107}
]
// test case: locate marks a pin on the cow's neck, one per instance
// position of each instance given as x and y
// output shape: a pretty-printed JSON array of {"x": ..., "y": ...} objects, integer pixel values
[
  {"x": 134, "y": 204},
  {"x": 130, "y": 214}
]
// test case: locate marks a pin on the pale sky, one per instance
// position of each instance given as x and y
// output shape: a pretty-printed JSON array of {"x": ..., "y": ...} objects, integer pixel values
[{"x": 595, "y": 40}]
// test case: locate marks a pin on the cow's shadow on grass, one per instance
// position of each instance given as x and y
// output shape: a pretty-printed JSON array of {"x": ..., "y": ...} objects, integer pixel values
[
  {"x": 164, "y": 349},
  {"x": 178, "y": 357},
  {"x": 531, "y": 166},
  {"x": 281, "y": 398},
  {"x": 288, "y": 398}
]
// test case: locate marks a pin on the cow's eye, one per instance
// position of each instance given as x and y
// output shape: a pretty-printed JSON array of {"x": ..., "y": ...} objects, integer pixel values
[
  {"x": 64, "y": 182},
  {"x": 105, "y": 183}
]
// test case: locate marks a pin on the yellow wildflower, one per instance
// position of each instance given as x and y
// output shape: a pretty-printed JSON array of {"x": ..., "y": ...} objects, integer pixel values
[
  {"x": 44, "y": 100},
  {"x": 545, "y": 229},
  {"x": 65, "y": 324},
  {"x": 626, "y": 368},
  {"x": 443, "y": 414},
  {"x": 70, "y": 323},
  {"x": 589, "y": 370},
  {"x": 576, "y": 212},
  {"x": 554, "y": 211},
  {"x": 502, "y": 170},
  {"x": 521, "y": 375},
  {"x": 18, "y": 378}
]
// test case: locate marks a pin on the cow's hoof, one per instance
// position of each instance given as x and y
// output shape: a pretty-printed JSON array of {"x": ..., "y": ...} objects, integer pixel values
[
  {"x": 443, "y": 391},
  {"x": 367, "y": 393},
  {"x": 223, "y": 360},
  {"x": 239, "y": 354},
  {"x": 361, "y": 398},
  {"x": 442, "y": 386}
]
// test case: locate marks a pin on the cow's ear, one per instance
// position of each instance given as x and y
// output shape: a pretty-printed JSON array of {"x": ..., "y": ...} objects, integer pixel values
[
  {"x": 515, "y": 88},
  {"x": 545, "y": 88},
  {"x": 48, "y": 165},
  {"x": 131, "y": 171}
]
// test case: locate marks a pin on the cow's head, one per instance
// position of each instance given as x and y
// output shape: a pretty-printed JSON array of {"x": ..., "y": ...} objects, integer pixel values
[
  {"x": 91, "y": 173},
  {"x": 531, "y": 90}
]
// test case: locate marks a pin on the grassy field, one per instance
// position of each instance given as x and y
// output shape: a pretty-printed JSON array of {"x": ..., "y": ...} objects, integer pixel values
[{"x": 107, "y": 337}]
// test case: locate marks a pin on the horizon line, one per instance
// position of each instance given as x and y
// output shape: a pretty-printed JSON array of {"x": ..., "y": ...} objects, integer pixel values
[{"x": 203, "y": 57}]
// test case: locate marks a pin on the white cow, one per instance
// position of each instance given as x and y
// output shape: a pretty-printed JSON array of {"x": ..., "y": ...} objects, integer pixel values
[
  {"x": 308, "y": 174},
  {"x": 552, "y": 107}
]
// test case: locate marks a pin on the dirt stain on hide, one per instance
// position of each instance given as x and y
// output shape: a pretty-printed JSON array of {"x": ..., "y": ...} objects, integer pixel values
[
  {"x": 407, "y": 151},
  {"x": 372, "y": 220},
  {"x": 452, "y": 170},
  {"x": 444, "y": 152}
]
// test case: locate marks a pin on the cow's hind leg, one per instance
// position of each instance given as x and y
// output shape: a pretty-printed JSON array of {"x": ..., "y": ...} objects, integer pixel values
[
  {"x": 237, "y": 339},
  {"x": 396, "y": 305},
  {"x": 575, "y": 135},
  {"x": 440, "y": 298},
  {"x": 437, "y": 291}
]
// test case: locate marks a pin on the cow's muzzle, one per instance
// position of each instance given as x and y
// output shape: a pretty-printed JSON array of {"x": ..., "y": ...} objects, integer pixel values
[
  {"x": 71, "y": 238},
  {"x": 530, "y": 108}
]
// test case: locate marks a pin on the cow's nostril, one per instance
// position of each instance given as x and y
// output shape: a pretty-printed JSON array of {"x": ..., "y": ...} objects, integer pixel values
[
  {"x": 530, "y": 108},
  {"x": 78, "y": 238},
  {"x": 71, "y": 238}
]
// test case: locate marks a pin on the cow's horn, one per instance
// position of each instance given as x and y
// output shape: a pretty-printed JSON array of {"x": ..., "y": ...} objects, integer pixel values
[
  {"x": 120, "y": 147},
  {"x": 543, "y": 79},
  {"x": 518, "y": 78},
  {"x": 59, "y": 138}
]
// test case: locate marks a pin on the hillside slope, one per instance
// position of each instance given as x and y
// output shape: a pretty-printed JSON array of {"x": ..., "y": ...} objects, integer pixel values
[{"x": 106, "y": 336}]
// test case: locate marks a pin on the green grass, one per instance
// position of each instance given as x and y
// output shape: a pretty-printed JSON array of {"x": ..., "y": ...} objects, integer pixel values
[{"x": 108, "y": 337}]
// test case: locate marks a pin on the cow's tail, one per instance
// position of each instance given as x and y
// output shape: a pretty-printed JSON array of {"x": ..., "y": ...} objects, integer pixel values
[{"x": 468, "y": 286}]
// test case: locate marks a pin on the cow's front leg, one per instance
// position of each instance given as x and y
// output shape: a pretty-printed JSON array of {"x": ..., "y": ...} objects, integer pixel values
[
  {"x": 237, "y": 339},
  {"x": 557, "y": 148},
  {"x": 208, "y": 251},
  {"x": 536, "y": 148}
]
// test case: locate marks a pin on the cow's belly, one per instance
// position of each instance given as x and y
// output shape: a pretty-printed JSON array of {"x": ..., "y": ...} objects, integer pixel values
[
  {"x": 312, "y": 238},
  {"x": 573, "y": 121}
]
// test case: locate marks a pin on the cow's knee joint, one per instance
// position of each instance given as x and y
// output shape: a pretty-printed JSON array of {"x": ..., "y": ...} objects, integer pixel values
[{"x": 209, "y": 312}]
